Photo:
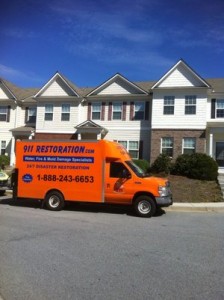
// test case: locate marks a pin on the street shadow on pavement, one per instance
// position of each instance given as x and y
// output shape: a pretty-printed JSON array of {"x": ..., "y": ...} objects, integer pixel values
[{"x": 79, "y": 207}]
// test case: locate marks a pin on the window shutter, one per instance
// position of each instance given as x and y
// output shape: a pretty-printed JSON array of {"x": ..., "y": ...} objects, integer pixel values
[
  {"x": 110, "y": 111},
  {"x": 132, "y": 104},
  {"x": 147, "y": 110},
  {"x": 89, "y": 111},
  {"x": 8, "y": 113},
  {"x": 103, "y": 111},
  {"x": 140, "y": 149},
  {"x": 124, "y": 108},
  {"x": 26, "y": 114},
  {"x": 213, "y": 108}
]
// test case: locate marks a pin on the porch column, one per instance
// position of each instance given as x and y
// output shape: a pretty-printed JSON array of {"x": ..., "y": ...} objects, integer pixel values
[
  {"x": 211, "y": 144},
  {"x": 12, "y": 152}
]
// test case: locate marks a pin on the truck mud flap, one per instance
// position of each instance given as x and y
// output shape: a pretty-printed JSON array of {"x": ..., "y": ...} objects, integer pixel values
[{"x": 14, "y": 184}]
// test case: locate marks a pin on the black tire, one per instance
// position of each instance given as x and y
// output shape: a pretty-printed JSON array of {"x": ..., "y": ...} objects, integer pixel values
[
  {"x": 2, "y": 193},
  {"x": 145, "y": 206},
  {"x": 54, "y": 200}
]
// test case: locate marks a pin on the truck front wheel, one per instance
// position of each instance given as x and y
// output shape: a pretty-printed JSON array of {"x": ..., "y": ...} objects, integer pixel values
[
  {"x": 54, "y": 200},
  {"x": 145, "y": 206}
]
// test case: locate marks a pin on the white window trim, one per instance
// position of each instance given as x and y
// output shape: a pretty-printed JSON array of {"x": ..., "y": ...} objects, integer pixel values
[
  {"x": 67, "y": 113},
  {"x": 168, "y": 98},
  {"x": 161, "y": 144},
  {"x": 3, "y": 147},
  {"x": 5, "y": 114},
  {"x": 52, "y": 112},
  {"x": 97, "y": 104},
  {"x": 120, "y": 111},
  {"x": 216, "y": 109},
  {"x": 136, "y": 111},
  {"x": 128, "y": 146},
  {"x": 188, "y": 147}
]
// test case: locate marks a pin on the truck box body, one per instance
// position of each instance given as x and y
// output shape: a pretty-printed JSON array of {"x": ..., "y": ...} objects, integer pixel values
[{"x": 83, "y": 171}]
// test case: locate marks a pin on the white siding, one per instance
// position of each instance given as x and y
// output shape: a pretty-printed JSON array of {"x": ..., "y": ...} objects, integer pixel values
[
  {"x": 57, "y": 125},
  {"x": 3, "y": 95},
  {"x": 114, "y": 89},
  {"x": 180, "y": 77},
  {"x": 54, "y": 89},
  {"x": 179, "y": 120},
  {"x": 6, "y": 135}
]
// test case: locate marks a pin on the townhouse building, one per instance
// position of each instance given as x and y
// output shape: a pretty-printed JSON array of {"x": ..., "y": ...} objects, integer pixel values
[{"x": 179, "y": 113}]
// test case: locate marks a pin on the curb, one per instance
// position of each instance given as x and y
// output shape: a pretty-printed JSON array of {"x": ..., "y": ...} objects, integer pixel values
[
  {"x": 183, "y": 207},
  {"x": 196, "y": 207}
]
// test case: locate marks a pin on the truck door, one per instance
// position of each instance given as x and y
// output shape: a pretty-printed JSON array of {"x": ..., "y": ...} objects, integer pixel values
[{"x": 118, "y": 183}]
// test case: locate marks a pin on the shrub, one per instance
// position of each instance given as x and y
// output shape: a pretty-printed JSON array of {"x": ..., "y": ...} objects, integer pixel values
[
  {"x": 196, "y": 166},
  {"x": 182, "y": 165},
  {"x": 143, "y": 164},
  {"x": 162, "y": 164},
  {"x": 203, "y": 167},
  {"x": 4, "y": 160}
]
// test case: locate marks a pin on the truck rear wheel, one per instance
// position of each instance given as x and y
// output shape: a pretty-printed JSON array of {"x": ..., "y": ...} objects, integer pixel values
[
  {"x": 54, "y": 200},
  {"x": 145, "y": 206}
]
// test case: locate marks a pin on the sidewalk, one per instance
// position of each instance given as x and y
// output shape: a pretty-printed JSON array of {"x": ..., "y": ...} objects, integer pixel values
[{"x": 196, "y": 207}]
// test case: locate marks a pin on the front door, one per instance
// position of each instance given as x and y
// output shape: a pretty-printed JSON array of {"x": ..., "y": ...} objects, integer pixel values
[{"x": 220, "y": 153}]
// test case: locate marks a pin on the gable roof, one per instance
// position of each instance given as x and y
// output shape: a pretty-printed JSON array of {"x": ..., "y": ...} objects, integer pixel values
[
  {"x": 71, "y": 87},
  {"x": 187, "y": 75},
  {"x": 122, "y": 85},
  {"x": 16, "y": 92}
]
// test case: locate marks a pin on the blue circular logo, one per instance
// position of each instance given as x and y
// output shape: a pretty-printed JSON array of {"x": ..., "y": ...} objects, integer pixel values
[{"x": 27, "y": 178}]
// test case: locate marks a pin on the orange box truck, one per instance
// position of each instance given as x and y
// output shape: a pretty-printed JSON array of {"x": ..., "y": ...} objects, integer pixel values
[{"x": 85, "y": 171}]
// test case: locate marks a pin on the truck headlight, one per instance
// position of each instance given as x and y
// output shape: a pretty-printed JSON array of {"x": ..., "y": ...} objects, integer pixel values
[{"x": 163, "y": 191}]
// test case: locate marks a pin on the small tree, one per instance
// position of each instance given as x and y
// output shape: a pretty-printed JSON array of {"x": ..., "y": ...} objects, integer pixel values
[{"x": 4, "y": 160}]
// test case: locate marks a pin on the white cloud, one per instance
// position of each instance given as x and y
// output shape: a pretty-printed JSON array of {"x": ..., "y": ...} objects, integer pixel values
[{"x": 14, "y": 74}]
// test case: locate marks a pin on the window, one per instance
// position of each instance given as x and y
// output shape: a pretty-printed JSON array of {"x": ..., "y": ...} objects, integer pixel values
[
  {"x": 139, "y": 113},
  {"x": 117, "y": 111},
  {"x": 3, "y": 147},
  {"x": 132, "y": 147},
  {"x": 96, "y": 111},
  {"x": 117, "y": 170},
  {"x": 167, "y": 146},
  {"x": 168, "y": 105},
  {"x": 220, "y": 108},
  {"x": 189, "y": 145},
  {"x": 190, "y": 105},
  {"x": 48, "y": 112},
  {"x": 3, "y": 113},
  {"x": 31, "y": 117},
  {"x": 65, "y": 112}
]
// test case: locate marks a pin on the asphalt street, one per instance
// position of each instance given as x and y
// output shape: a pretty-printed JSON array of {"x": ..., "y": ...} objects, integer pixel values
[{"x": 98, "y": 252}]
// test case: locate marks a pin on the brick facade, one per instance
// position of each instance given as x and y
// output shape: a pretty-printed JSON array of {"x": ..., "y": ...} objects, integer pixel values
[{"x": 177, "y": 136}]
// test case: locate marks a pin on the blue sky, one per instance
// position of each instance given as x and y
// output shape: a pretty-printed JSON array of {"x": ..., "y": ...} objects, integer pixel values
[{"x": 90, "y": 41}]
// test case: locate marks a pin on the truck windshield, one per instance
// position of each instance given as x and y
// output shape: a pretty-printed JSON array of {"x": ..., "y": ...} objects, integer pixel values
[{"x": 136, "y": 169}]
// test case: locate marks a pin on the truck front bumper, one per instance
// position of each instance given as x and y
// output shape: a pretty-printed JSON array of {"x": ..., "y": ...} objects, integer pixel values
[{"x": 164, "y": 201}]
